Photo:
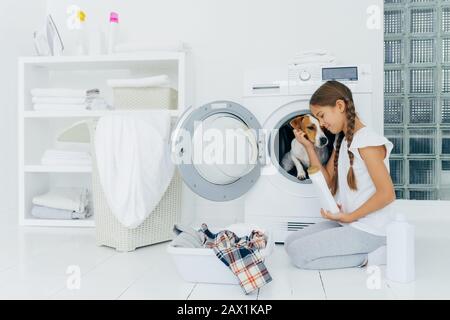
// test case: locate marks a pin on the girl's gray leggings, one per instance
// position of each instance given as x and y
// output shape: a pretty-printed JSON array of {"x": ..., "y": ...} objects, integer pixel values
[{"x": 329, "y": 245}]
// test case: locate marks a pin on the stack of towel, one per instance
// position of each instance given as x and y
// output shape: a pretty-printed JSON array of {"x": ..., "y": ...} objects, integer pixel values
[
  {"x": 66, "y": 158},
  {"x": 57, "y": 99},
  {"x": 62, "y": 203}
]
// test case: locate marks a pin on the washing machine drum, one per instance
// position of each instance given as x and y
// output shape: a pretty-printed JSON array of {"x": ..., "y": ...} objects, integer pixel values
[{"x": 222, "y": 150}]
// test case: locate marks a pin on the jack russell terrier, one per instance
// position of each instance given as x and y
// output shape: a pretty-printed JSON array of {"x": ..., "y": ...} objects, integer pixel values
[{"x": 298, "y": 155}]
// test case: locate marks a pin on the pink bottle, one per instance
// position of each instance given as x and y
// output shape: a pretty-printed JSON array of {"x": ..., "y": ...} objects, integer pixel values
[{"x": 113, "y": 31}]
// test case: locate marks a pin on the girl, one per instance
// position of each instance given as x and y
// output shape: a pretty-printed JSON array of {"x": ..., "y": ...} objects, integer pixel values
[{"x": 358, "y": 175}]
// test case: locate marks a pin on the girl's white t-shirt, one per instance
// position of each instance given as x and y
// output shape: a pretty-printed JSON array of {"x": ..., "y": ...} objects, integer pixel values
[{"x": 374, "y": 222}]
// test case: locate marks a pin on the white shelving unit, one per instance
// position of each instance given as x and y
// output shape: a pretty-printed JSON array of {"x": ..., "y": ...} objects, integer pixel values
[{"x": 37, "y": 130}]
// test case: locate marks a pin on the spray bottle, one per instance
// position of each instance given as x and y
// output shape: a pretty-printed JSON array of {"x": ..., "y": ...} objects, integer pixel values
[
  {"x": 113, "y": 31},
  {"x": 326, "y": 198},
  {"x": 81, "y": 34}
]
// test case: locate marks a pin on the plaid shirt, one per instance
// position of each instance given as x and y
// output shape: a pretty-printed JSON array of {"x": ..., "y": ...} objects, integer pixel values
[{"x": 241, "y": 255}]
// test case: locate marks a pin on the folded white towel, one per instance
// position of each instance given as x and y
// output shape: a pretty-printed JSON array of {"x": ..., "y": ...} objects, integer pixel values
[
  {"x": 60, "y": 107},
  {"x": 155, "y": 81},
  {"x": 67, "y": 158},
  {"x": 134, "y": 163},
  {"x": 63, "y": 92},
  {"x": 149, "y": 46},
  {"x": 66, "y": 154},
  {"x": 74, "y": 199},
  {"x": 66, "y": 162},
  {"x": 52, "y": 213},
  {"x": 58, "y": 100}
]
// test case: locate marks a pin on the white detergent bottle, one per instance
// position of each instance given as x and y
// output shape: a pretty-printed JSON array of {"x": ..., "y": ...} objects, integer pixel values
[
  {"x": 95, "y": 40},
  {"x": 113, "y": 31},
  {"x": 80, "y": 34},
  {"x": 326, "y": 198},
  {"x": 400, "y": 257}
]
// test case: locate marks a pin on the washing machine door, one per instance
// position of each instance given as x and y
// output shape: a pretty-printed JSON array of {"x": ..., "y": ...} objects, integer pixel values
[{"x": 217, "y": 149}]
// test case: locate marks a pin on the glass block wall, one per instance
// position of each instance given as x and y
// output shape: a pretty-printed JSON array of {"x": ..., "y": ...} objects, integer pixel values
[{"x": 417, "y": 96}]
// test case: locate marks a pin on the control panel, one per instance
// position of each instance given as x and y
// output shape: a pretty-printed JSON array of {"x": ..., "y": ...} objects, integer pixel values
[
  {"x": 303, "y": 77},
  {"x": 299, "y": 79}
]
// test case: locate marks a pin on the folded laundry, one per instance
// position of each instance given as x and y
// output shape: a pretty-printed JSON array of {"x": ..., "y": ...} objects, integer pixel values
[
  {"x": 68, "y": 158},
  {"x": 73, "y": 199},
  {"x": 58, "y": 100},
  {"x": 52, "y": 213},
  {"x": 64, "y": 92},
  {"x": 241, "y": 255},
  {"x": 60, "y": 107},
  {"x": 66, "y": 162},
  {"x": 154, "y": 81},
  {"x": 66, "y": 154}
]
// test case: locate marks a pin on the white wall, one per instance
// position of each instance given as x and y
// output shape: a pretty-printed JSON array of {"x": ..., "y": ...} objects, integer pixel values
[
  {"x": 18, "y": 20},
  {"x": 225, "y": 36}
]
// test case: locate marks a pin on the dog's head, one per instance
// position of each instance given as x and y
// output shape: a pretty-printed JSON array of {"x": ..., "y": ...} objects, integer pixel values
[{"x": 311, "y": 127}]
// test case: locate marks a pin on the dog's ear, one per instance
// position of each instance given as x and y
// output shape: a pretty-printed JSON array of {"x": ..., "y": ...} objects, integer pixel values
[{"x": 296, "y": 123}]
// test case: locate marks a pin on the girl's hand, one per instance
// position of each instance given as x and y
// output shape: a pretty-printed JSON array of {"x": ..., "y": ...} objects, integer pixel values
[
  {"x": 340, "y": 216},
  {"x": 300, "y": 136}
]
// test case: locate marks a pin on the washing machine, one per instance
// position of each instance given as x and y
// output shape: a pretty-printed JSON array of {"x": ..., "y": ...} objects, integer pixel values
[{"x": 226, "y": 150}]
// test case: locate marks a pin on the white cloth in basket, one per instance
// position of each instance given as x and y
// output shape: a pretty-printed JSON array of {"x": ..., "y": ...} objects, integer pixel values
[{"x": 134, "y": 164}]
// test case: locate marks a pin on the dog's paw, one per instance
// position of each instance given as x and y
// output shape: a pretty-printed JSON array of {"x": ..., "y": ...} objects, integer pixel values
[{"x": 301, "y": 176}]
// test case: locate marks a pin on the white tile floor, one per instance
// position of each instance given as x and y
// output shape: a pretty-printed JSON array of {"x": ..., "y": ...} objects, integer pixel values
[{"x": 34, "y": 261}]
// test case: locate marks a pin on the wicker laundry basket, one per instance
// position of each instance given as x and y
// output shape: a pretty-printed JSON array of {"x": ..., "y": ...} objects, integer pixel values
[
  {"x": 156, "y": 228},
  {"x": 145, "y": 98}
]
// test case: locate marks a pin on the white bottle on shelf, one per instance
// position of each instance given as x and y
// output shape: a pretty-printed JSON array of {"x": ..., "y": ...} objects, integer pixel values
[
  {"x": 113, "y": 31},
  {"x": 80, "y": 34},
  {"x": 400, "y": 257},
  {"x": 95, "y": 41}
]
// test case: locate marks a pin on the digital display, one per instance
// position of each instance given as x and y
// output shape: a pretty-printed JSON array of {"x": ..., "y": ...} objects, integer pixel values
[{"x": 340, "y": 73}]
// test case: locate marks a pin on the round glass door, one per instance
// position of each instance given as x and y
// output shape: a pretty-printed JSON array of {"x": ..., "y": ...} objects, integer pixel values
[
  {"x": 226, "y": 146},
  {"x": 219, "y": 145}
]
